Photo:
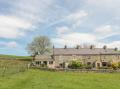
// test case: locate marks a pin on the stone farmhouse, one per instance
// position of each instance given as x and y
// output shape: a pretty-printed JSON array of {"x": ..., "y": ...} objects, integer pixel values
[{"x": 97, "y": 57}]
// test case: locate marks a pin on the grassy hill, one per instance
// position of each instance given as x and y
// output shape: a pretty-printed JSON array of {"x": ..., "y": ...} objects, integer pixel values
[
  {"x": 27, "y": 58},
  {"x": 36, "y": 79},
  {"x": 10, "y": 64}
]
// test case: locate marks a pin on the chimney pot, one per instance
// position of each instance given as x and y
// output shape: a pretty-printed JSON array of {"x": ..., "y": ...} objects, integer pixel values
[
  {"x": 53, "y": 46},
  {"x": 105, "y": 47},
  {"x": 78, "y": 47},
  {"x": 92, "y": 47},
  {"x": 65, "y": 47},
  {"x": 116, "y": 49}
]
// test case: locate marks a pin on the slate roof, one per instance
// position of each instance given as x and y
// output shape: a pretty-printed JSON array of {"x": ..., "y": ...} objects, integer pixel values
[
  {"x": 43, "y": 58},
  {"x": 84, "y": 51}
]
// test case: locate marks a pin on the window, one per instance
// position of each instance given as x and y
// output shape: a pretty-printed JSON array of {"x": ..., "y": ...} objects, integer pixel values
[
  {"x": 104, "y": 64},
  {"x": 89, "y": 57},
  {"x": 50, "y": 62},
  {"x": 98, "y": 65},
  {"x": 61, "y": 65},
  {"x": 88, "y": 63},
  {"x": 45, "y": 62},
  {"x": 37, "y": 62}
]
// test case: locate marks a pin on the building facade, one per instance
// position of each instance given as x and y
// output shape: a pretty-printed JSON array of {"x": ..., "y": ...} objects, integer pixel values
[{"x": 97, "y": 57}]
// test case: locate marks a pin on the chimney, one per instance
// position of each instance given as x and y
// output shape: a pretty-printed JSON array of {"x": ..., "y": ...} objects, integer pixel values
[
  {"x": 104, "y": 47},
  {"x": 92, "y": 47},
  {"x": 78, "y": 47},
  {"x": 116, "y": 49},
  {"x": 65, "y": 47},
  {"x": 53, "y": 46}
]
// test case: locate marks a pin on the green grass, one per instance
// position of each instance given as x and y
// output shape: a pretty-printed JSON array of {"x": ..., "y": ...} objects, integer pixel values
[
  {"x": 9, "y": 67},
  {"x": 36, "y": 79},
  {"x": 24, "y": 58}
]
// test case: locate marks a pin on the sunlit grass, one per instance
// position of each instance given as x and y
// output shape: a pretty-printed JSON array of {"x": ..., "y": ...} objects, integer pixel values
[{"x": 36, "y": 79}]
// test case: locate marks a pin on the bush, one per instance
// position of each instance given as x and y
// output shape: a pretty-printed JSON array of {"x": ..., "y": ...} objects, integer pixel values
[
  {"x": 119, "y": 65},
  {"x": 109, "y": 64},
  {"x": 115, "y": 65},
  {"x": 88, "y": 67},
  {"x": 75, "y": 65},
  {"x": 105, "y": 67}
]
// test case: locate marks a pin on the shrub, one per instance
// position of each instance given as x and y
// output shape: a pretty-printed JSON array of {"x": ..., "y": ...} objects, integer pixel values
[
  {"x": 119, "y": 65},
  {"x": 88, "y": 67},
  {"x": 109, "y": 64},
  {"x": 75, "y": 65},
  {"x": 105, "y": 67},
  {"x": 115, "y": 65}
]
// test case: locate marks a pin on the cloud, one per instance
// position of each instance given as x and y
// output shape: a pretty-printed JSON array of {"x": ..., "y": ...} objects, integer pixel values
[
  {"x": 105, "y": 3},
  {"x": 34, "y": 11},
  {"x": 103, "y": 30},
  {"x": 77, "y": 17},
  {"x": 67, "y": 36},
  {"x": 23, "y": 16},
  {"x": 62, "y": 30},
  {"x": 114, "y": 44},
  {"x": 13, "y": 27},
  {"x": 109, "y": 45},
  {"x": 73, "y": 18},
  {"x": 11, "y": 44},
  {"x": 72, "y": 39},
  {"x": 19, "y": 17}
]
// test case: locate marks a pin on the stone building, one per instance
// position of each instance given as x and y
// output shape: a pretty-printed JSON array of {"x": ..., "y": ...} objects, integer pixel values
[
  {"x": 44, "y": 60},
  {"x": 97, "y": 57}
]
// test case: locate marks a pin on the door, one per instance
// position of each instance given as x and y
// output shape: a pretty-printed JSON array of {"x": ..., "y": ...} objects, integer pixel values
[
  {"x": 98, "y": 65},
  {"x": 62, "y": 65}
]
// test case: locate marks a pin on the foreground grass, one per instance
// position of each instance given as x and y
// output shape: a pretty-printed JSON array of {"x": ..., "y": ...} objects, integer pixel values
[{"x": 36, "y": 79}]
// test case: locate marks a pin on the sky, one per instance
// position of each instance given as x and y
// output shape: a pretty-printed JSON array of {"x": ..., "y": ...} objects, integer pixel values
[{"x": 65, "y": 22}]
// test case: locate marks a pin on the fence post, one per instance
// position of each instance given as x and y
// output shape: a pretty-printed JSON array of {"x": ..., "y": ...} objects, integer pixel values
[{"x": 4, "y": 70}]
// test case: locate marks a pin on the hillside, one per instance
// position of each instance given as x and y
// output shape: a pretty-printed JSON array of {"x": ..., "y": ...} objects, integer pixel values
[{"x": 9, "y": 57}]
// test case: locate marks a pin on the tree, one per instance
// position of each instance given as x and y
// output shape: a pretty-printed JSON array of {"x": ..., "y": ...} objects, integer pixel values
[{"x": 39, "y": 46}]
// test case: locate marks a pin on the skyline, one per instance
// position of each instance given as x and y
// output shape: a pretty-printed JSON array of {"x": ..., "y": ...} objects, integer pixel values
[{"x": 65, "y": 22}]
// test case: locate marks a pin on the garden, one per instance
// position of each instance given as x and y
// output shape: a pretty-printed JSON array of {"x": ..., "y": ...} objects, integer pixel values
[{"x": 78, "y": 65}]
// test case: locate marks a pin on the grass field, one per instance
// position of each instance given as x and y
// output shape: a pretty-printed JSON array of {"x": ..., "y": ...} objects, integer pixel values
[
  {"x": 9, "y": 67},
  {"x": 24, "y": 58},
  {"x": 10, "y": 64},
  {"x": 36, "y": 79}
]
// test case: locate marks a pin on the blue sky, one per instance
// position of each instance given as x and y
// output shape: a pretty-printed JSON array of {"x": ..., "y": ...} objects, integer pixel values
[{"x": 65, "y": 22}]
